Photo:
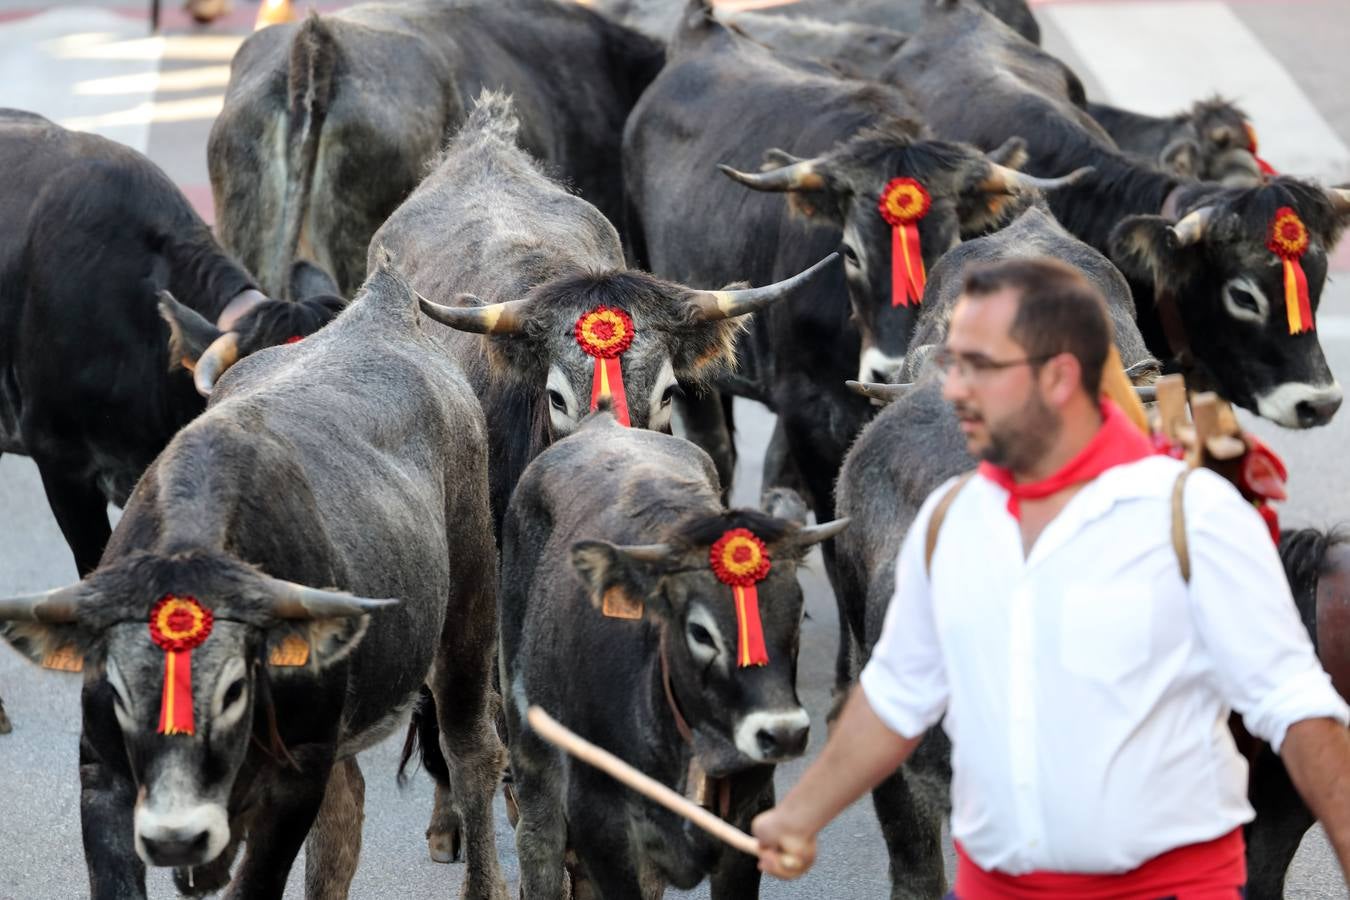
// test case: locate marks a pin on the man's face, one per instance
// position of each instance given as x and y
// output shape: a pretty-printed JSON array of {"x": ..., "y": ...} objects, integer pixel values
[{"x": 1002, "y": 412}]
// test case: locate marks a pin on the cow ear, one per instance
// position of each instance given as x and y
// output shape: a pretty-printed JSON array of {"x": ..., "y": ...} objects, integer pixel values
[
  {"x": 618, "y": 583},
  {"x": 1146, "y": 249},
  {"x": 314, "y": 643},
  {"x": 1181, "y": 157},
  {"x": 57, "y": 647},
  {"x": 189, "y": 332}
]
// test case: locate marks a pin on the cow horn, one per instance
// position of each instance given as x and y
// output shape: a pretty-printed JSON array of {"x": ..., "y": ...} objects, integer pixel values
[
  {"x": 223, "y": 353},
  {"x": 1340, "y": 199},
  {"x": 59, "y": 606},
  {"x": 1003, "y": 180},
  {"x": 1192, "y": 226},
  {"x": 801, "y": 176},
  {"x": 298, "y": 601},
  {"x": 714, "y": 305},
  {"x": 814, "y": 534},
  {"x": 883, "y": 393},
  {"x": 495, "y": 318}
]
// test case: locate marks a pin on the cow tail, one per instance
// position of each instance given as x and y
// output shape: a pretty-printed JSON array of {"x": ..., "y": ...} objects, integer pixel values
[
  {"x": 309, "y": 94},
  {"x": 424, "y": 732}
]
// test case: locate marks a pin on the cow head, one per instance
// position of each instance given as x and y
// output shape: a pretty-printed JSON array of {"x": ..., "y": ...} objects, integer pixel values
[
  {"x": 207, "y": 349},
  {"x": 968, "y": 193},
  {"x": 740, "y": 715},
  {"x": 674, "y": 334},
  {"x": 1218, "y": 145},
  {"x": 1229, "y": 288},
  {"x": 184, "y": 780}
]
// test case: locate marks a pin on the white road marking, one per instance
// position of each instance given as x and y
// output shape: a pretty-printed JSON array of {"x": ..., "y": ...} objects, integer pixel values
[{"x": 1194, "y": 49}]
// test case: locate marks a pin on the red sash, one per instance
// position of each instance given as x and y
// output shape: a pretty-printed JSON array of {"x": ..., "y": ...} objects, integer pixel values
[
  {"x": 1213, "y": 870},
  {"x": 1117, "y": 442}
]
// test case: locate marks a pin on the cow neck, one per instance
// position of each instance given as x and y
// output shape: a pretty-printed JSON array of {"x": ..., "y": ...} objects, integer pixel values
[
  {"x": 713, "y": 794},
  {"x": 1165, "y": 299}
]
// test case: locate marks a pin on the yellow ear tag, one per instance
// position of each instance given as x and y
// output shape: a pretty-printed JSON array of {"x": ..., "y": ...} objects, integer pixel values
[
  {"x": 63, "y": 659},
  {"x": 618, "y": 605},
  {"x": 291, "y": 652}
]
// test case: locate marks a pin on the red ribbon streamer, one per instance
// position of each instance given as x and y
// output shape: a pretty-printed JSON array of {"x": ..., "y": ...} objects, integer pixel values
[
  {"x": 608, "y": 382},
  {"x": 908, "y": 276},
  {"x": 750, "y": 649}
]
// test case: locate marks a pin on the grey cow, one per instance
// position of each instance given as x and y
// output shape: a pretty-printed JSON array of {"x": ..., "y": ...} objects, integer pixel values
[
  {"x": 327, "y": 125},
  {"x": 904, "y": 454},
  {"x": 662, "y": 690},
  {"x": 355, "y": 460}
]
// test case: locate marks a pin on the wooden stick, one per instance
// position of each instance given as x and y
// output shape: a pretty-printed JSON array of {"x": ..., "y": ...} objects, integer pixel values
[{"x": 553, "y": 732}]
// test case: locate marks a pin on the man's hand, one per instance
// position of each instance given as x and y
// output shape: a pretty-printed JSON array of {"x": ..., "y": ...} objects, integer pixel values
[{"x": 786, "y": 850}]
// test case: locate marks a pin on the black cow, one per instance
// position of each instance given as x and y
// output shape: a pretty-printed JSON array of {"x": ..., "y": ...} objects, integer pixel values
[
  {"x": 634, "y": 514},
  {"x": 831, "y": 145},
  {"x": 328, "y": 125},
  {"x": 903, "y": 455},
  {"x": 285, "y": 481},
  {"x": 93, "y": 232},
  {"x": 1209, "y": 141},
  {"x": 863, "y": 50},
  {"x": 1195, "y": 249}
]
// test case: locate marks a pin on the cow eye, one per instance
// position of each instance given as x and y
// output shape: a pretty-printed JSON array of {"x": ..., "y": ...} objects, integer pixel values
[
  {"x": 850, "y": 255},
  {"x": 701, "y": 635},
  {"x": 671, "y": 394},
  {"x": 232, "y": 694},
  {"x": 555, "y": 399},
  {"x": 1244, "y": 300}
]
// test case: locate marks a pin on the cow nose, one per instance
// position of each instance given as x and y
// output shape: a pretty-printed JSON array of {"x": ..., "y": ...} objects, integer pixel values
[
  {"x": 177, "y": 848},
  {"x": 782, "y": 743},
  {"x": 1317, "y": 412}
]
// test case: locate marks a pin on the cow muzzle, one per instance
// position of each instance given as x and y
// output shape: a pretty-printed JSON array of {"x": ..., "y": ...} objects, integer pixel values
[
  {"x": 182, "y": 836},
  {"x": 1299, "y": 405},
  {"x": 770, "y": 737}
]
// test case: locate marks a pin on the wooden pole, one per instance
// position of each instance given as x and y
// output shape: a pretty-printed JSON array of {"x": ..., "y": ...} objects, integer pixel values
[{"x": 550, "y": 730}]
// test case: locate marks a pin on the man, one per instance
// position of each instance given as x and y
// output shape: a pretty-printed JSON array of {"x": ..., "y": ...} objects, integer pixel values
[{"x": 1086, "y": 685}]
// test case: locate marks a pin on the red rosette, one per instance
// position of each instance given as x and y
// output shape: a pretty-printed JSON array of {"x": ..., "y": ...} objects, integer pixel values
[
  {"x": 1288, "y": 238},
  {"x": 739, "y": 558},
  {"x": 178, "y": 624},
  {"x": 604, "y": 332},
  {"x": 904, "y": 201}
]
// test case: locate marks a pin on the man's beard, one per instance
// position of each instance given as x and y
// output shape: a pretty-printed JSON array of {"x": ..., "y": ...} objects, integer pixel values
[{"x": 1023, "y": 439}]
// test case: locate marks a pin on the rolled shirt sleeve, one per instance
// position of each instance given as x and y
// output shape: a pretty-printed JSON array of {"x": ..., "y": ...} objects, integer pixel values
[
  {"x": 905, "y": 681},
  {"x": 1264, "y": 662}
]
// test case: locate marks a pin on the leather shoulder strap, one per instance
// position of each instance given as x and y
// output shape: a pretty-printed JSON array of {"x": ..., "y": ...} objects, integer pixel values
[
  {"x": 935, "y": 523},
  {"x": 1179, "y": 526}
]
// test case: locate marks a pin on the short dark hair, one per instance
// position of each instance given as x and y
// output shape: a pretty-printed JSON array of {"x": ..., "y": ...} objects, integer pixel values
[{"x": 1058, "y": 311}]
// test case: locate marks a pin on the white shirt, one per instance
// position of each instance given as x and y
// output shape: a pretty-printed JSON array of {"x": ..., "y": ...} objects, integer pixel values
[{"x": 1086, "y": 688}]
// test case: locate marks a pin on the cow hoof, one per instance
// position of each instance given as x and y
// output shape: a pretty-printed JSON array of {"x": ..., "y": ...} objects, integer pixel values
[
  {"x": 204, "y": 12},
  {"x": 274, "y": 12},
  {"x": 5, "y": 727},
  {"x": 445, "y": 847}
]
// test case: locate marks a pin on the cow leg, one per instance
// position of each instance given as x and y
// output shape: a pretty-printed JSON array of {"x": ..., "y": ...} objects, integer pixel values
[
  {"x": 277, "y": 835},
  {"x": 333, "y": 847},
  {"x": 81, "y": 511},
  {"x": 913, "y": 834},
  {"x": 1281, "y": 821},
  {"x": 107, "y": 807},
  {"x": 780, "y": 469},
  {"x": 466, "y": 708},
  {"x": 737, "y": 874},
  {"x": 707, "y": 422},
  {"x": 541, "y": 831},
  {"x": 445, "y": 840},
  {"x": 607, "y": 860},
  {"x": 5, "y": 727}
]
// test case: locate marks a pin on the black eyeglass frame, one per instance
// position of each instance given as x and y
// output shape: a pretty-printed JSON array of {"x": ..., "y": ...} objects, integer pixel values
[{"x": 978, "y": 365}]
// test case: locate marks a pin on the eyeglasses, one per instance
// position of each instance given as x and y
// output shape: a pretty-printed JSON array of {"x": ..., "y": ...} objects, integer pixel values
[{"x": 976, "y": 366}]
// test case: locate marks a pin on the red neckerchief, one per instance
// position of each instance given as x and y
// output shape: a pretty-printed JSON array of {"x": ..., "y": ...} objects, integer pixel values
[{"x": 1117, "y": 442}]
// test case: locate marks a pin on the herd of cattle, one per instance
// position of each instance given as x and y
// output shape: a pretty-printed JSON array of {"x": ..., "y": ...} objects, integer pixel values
[{"x": 419, "y": 290}]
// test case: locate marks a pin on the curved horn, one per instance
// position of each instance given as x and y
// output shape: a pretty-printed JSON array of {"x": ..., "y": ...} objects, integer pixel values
[
  {"x": 814, "y": 534},
  {"x": 646, "y": 552},
  {"x": 299, "y": 601},
  {"x": 59, "y": 606},
  {"x": 223, "y": 353},
  {"x": 800, "y": 176},
  {"x": 1192, "y": 226},
  {"x": 495, "y": 318},
  {"x": 1003, "y": 180},
  {"x": 713, "y": 305},
  {"x": 882, "y": 393},
  {"x": 1340, "y": 199}
]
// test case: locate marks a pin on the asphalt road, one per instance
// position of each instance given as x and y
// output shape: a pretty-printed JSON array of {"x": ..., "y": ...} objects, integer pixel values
[{"x": 93, "y": 70}]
